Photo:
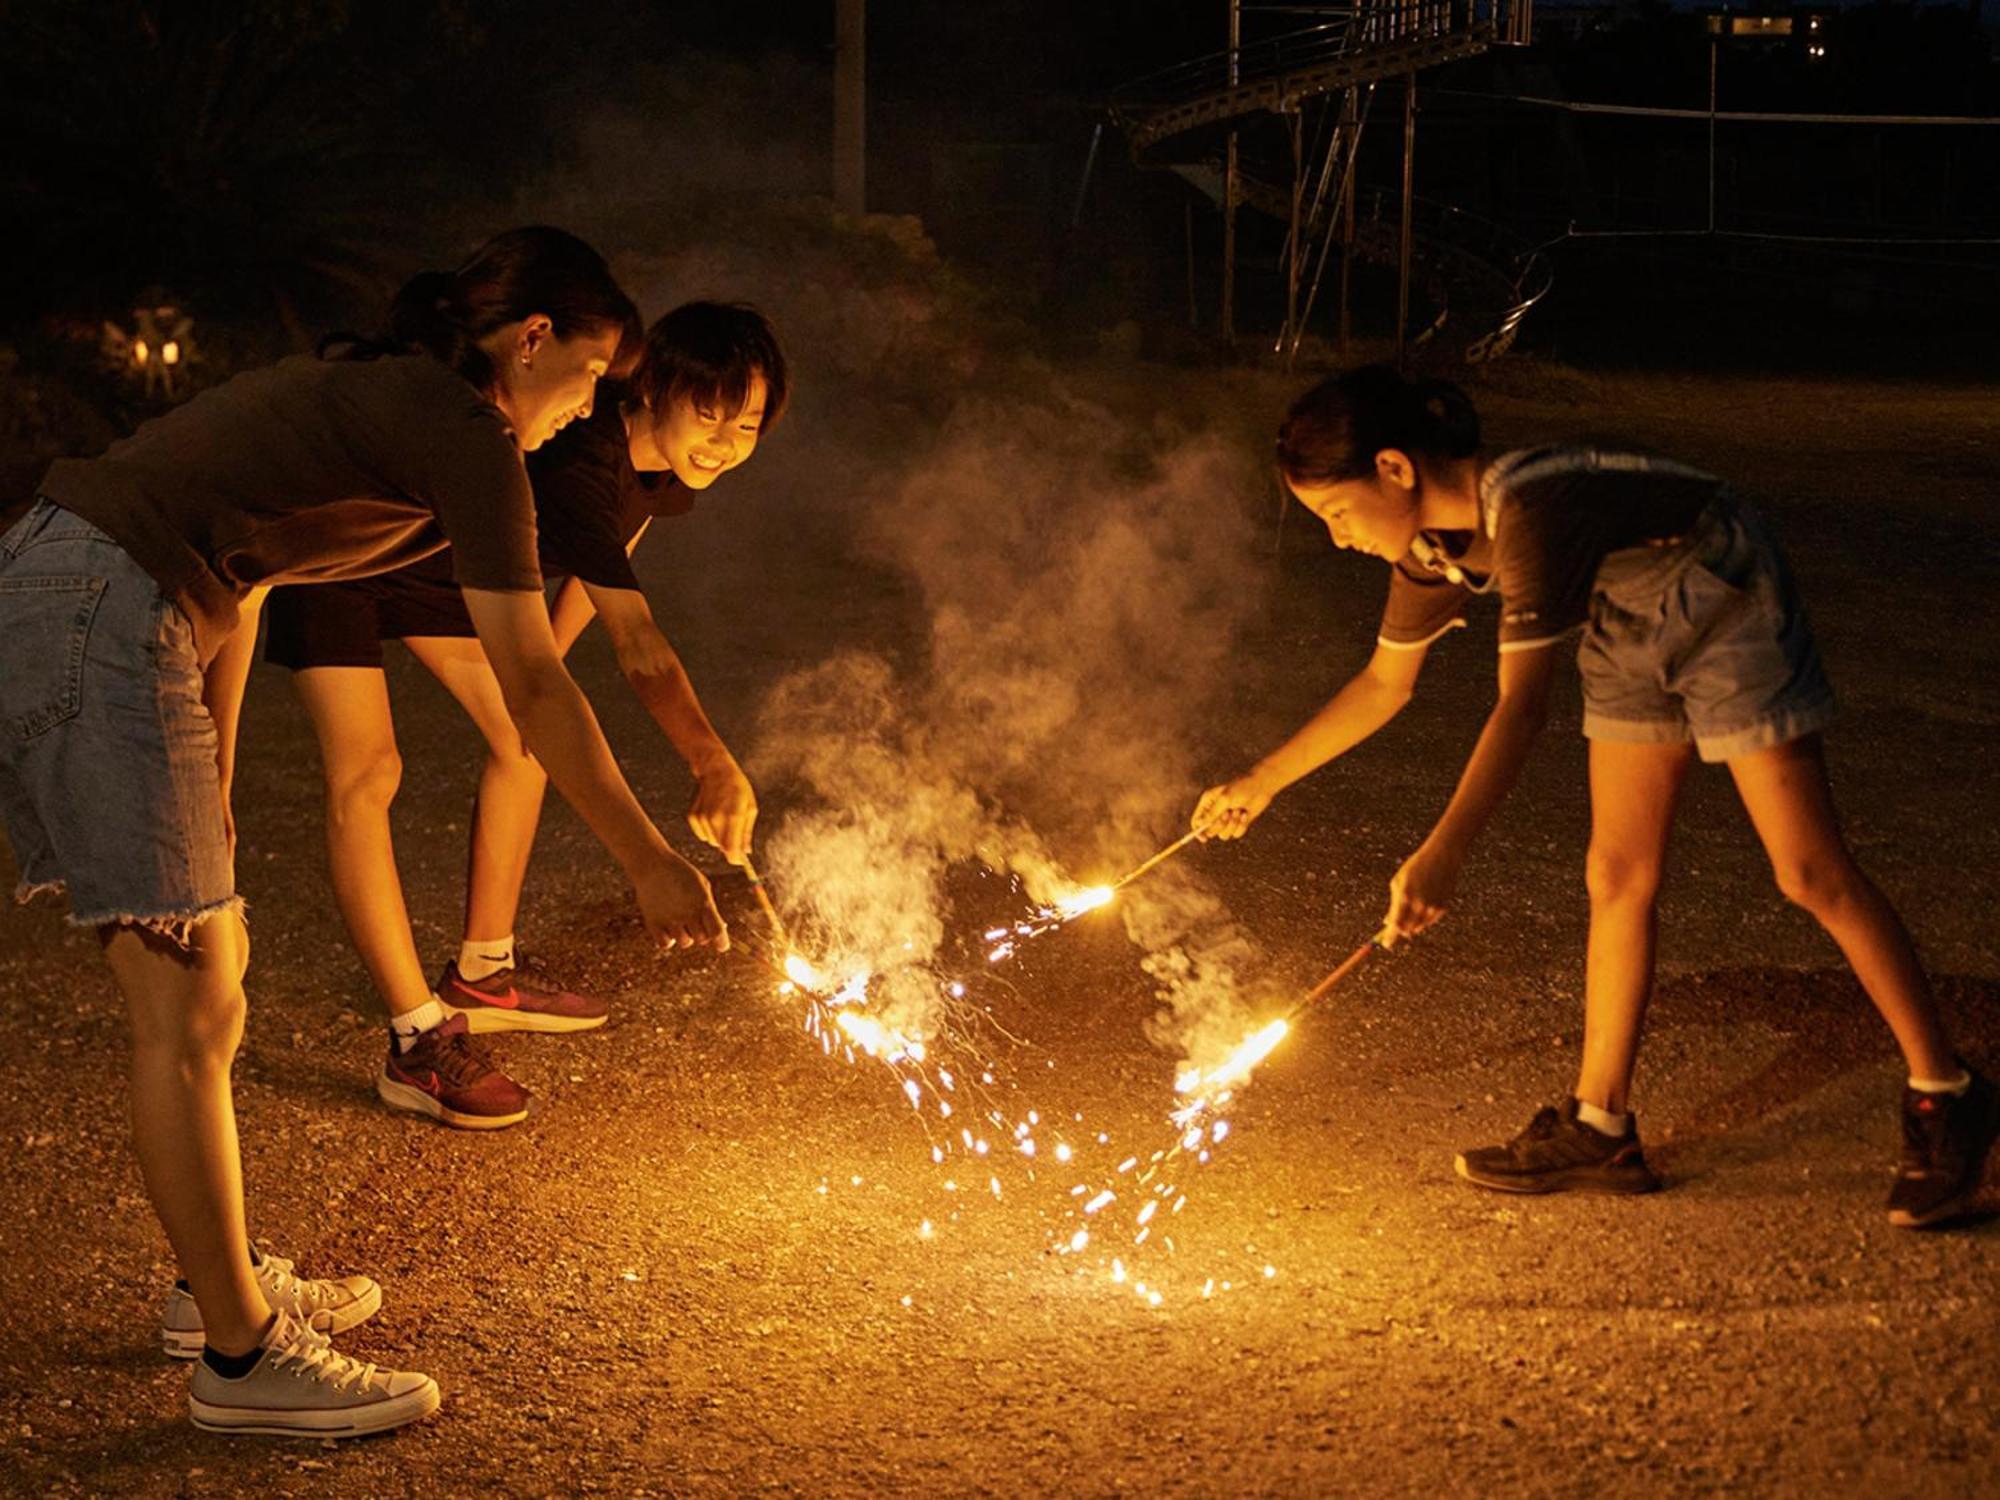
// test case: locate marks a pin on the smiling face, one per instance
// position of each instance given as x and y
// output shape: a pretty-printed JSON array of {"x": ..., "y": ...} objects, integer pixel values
[
  {"x": 699, "y": 442},
  {"x": 1377, "y": 514},
  {"x": 549, "y": 382}
]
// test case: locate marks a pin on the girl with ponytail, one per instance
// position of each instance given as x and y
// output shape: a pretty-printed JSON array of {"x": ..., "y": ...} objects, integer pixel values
[
  {"x": 129, "y": 595},
  {"x": 1693, "y": 643}
]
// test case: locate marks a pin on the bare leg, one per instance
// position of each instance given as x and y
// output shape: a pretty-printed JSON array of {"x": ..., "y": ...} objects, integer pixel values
[
  {"x": 187, "y": 1020},
  {"x": 1634, "y": 790},
  {"x": 511, "y": 785},
  {"x": 349, "y": 707},
  {"x": 1786, "y": 792}
]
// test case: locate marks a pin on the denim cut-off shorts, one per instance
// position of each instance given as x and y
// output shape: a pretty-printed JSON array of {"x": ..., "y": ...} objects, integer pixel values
[
  {"x": 1702, "y": 639},
  {"x": 108, "y": 780}
]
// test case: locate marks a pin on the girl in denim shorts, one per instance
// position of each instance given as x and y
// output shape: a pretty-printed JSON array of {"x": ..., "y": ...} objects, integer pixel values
[
  {"x": 1693, "y": 644},
  {"x": 128, "y": 603}
]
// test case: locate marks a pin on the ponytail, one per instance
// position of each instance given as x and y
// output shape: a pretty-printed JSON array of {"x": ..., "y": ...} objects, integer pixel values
[
  {"x": 1333, "y": 432},
  {"x": 511, "y": 277}
]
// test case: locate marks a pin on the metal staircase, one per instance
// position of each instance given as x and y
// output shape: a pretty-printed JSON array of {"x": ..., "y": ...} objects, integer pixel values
[{"x": 1318, "y": 83}]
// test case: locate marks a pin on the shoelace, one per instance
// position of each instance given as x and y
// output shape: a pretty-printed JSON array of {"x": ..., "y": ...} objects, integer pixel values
[
  {"x": 315, "y": 1358},
  {"x": 1544, "y": 1125},
  {"x": 531, "y": 965},
  {"x": 281, "y": 1280},
  {"x": 463, "y": 1061}
]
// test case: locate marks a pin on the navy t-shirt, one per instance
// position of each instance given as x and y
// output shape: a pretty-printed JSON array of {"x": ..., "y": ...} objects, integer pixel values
[{"x": 1548, "y": 517}]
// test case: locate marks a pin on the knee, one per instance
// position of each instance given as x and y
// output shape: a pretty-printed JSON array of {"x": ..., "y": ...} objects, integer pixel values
[
  {"x": 508, "y": 761},
  {"x": 1614, "y": 877},
  {"x": 365, "y": 783},
  {"x": 202, "y": 1028},
  {"x": 1822, "y": 885}
]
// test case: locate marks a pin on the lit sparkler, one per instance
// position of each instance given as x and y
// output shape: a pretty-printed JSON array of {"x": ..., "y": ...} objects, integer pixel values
[
  {"x": 1078, "y": 902},
  {"x": 764, "y": 900}
]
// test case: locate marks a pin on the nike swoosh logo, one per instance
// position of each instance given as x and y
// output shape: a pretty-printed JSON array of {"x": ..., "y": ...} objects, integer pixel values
[{"x": 509, "y": 1001}]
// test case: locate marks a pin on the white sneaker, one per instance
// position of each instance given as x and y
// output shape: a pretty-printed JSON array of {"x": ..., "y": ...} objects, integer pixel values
[
  {"x": 302, "y": 1388},
  {"x": 327, "y": 1307}
]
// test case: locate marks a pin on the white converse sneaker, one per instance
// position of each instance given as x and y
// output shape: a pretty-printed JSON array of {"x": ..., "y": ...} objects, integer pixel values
[
  {"x": 325, "y": 1306},
  {"x": 301, "y": 1387}
]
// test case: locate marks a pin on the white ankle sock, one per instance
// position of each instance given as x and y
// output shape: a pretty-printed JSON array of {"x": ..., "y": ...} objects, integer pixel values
[
  {"x": 413, "y": 1024},
  {"x": 1602, "y": 1120},
  {"x": 477, "y": 961},
  {"x": 1956, "y": 1085}
]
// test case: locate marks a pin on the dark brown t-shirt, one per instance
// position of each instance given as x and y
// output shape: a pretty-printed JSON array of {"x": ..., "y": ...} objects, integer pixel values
[
  {"x": 1548, "y": 517},
  {"x": 590, "y": 502},
  {"x": 310, "y": 471}
]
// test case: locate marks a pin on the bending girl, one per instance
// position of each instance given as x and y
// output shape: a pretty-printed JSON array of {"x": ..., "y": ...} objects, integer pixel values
[
  {"x": 710, "y": 379},
  {"x": 1694, "y": 643}
]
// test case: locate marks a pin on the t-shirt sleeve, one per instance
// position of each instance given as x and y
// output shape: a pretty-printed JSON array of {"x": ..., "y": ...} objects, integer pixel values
[
  {"x": 1546, "y": 557},
  {"x": 1421, "y": 607},
  {"x": 478, "y": 490},
  {"x": 580, "y": 507}
]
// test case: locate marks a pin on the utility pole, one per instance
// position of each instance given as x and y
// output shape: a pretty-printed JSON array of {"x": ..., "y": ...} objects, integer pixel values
[
  {"x": 1229, "y": 186},
  {"x": 1409, "y": 188},
  {"x": 850, "y": 106},
  {"x": 1714, "y": 51}
]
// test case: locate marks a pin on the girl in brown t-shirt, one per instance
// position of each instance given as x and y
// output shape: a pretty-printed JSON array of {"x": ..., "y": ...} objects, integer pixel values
[
  {"x": 1693, "y": 642},
  {"x": 128, "y": 600}
]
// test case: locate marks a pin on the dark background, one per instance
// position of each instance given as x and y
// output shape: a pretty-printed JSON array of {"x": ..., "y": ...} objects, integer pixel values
[{"x": 278, "y": 166}]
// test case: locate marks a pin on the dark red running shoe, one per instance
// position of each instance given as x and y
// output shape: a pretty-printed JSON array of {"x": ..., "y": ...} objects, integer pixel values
[
  {"x": 449, "y": 1077},
  {"x": 521, "y": 998}
]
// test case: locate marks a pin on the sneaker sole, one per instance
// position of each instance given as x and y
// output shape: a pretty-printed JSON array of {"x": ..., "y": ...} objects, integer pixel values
[
  {"x": 415, "y": 1101},
  {"x": 339, "y": 1422},
  {"x": 1579, "y": 1180},
  {"x": 484, "y": 1019},
  {"x": 183, "y": 1343},
  {"x": 1936, "y": 1218}
]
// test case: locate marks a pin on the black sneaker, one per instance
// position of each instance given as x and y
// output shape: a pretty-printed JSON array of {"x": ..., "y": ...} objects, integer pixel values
[
  {"x": 1946, "y": 1138},
  {"x": 1559, "y": 1153}
]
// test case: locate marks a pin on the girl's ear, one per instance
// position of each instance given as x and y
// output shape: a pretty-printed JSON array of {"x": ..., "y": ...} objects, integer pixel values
[
  {"x": 536, "y": 330},
  {"x": 1395, "y": 467}
]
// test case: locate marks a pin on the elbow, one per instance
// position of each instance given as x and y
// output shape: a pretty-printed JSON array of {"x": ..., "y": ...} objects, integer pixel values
[{"x": 530, "y": 692}]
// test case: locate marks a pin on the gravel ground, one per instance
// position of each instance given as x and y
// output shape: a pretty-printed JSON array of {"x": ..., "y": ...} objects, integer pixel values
[{"x": 700, "y": 1267}]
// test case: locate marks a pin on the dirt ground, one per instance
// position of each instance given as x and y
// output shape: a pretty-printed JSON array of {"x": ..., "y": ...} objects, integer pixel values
[{"x": 699, "y": 1268}]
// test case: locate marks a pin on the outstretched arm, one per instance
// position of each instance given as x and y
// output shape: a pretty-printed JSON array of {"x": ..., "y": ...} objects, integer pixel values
[
  {"x": 561, "y": 731},
  {"x": 725, "y": 807},
  {"x": 1368, "y": 700},
  {"x": 1421, "y": 889}
]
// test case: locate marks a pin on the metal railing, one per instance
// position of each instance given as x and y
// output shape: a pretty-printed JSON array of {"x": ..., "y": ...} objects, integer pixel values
[{"x": 1353, "y": 44}]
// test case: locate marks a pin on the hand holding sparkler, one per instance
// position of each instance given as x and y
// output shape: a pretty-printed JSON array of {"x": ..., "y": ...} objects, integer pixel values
[
  {"x": 724, "y": 811},
  {"x": 1420, "y": 891},
  {"x": 1227, "y": 811},
  {"x": 677, "y": 906}
]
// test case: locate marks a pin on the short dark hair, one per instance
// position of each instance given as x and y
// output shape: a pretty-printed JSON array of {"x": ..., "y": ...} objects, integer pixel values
[
  {"x": 708, "y": 353},
  {"x": 512, "y": 276},
  {"x": 1333, "y": 432}
]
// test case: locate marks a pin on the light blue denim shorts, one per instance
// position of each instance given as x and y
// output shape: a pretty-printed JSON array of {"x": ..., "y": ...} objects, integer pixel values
[
  {"x": 108, "y": 780},
  {"x": 1702, "y": 639}
]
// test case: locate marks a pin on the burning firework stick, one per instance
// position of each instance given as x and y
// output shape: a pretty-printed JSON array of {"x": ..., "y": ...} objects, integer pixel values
[
  {"x": 1347, "y": 966},
  {"x": 1164, "y": 855},
  {"x": 764, "y": 900}
]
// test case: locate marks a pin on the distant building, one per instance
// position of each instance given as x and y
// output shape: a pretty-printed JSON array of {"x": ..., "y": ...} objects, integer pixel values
[{"x": 1772, "y": 27}]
